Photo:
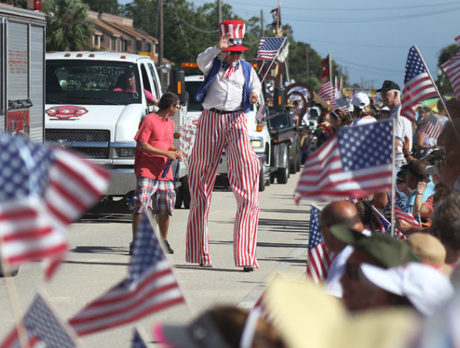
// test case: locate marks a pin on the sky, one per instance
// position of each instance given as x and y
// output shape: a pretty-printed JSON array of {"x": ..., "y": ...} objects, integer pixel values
[{"x": 369, "y": 38}]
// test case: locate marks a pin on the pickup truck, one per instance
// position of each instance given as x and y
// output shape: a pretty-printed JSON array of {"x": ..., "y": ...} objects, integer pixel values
[
  {"x": 285, "y": 139},
  {"x": 89, "y": 111}
]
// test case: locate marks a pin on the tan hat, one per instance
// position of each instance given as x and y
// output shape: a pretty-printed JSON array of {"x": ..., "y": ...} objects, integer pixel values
[
  {"x": 429, "y": 248},
  {"x": 307, "y": 317}
]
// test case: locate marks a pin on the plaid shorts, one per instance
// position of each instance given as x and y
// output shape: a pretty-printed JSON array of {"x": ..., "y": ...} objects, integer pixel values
[{"x": 156, "y": 195}]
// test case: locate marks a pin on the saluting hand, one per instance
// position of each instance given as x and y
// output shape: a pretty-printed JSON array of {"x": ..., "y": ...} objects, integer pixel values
[{"x": 223, "y": 42}]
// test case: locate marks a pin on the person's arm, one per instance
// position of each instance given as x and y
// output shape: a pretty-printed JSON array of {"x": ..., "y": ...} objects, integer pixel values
[
  {"x": 406, "y": 149},
  {"x": 206, "y": 58},
  {"x": 147, "y": 148},
  {"x": 254, "y": 87},
  {"x": 418, "y": 201},
  {"x": 150, "y": 97}
]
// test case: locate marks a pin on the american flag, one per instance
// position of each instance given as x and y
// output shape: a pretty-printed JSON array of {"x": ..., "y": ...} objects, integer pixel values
[
  {"x": 433, "y": 126},
  {"x": 261, "y": 306},
  {"x": 452, "y": 70},
  {"x": 42, "y": 191},
  {"x": 385, "y": 226},
  {"x": 418, "y": 85},
  {"x": 149, "y": 287},
  {"x": 457, "y": 39},
  {"x": 138, "y": 341},
  {"x": 401, "y": 212},
  {"x": 326, "y": 91},
  {"x": 269, "y": 47},
  {"x": 41, "y": 326},
  {"x": 319, "y": 258},
  {"x": 354, "y": 162}
]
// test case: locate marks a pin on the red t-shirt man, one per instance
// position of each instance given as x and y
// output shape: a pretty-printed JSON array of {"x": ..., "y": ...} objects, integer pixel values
[{"x": 159, "y": 133}]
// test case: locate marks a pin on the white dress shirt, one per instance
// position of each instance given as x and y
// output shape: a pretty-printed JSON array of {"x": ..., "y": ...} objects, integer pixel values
[
  {"x": 403, "y": 127},
  {"x": 225, "y": 94}
]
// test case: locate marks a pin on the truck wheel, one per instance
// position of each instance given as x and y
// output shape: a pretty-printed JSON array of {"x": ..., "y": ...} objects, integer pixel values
[
  {"x": 282, "y": 175},
  {"x": 185, "y": 192},
  {"x": 262, "y": 178},
  {"x": 272, "y": 178},
  {"x": 292, "y": 166}
]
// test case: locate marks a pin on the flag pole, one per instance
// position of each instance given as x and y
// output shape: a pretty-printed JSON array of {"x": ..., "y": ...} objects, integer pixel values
[
  {"x": 330, "y": 67},
  {"x": 437, "y": 91},
  {"x": 14, "y": 302},
  {"x": 186, "y": 300},
  {"x": 393, "y": 181}
]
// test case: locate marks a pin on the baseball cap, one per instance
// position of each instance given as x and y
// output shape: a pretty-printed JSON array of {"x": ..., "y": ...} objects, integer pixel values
[
  {"x": 388, "y": 86},
  {"x": 360, "y": 100},
  {"x": 200, "y": 333},
  {"x": 385, "y": 250},
  {"x": 426, "y": 288}
]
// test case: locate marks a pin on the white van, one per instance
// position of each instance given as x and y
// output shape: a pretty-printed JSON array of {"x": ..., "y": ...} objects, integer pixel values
[{"x": 88, "y": 110}]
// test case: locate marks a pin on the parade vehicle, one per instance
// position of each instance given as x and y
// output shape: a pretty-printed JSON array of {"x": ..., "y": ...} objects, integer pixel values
[
  {"x": 22, "y": 68},
  {"x": 257, "y": 129},
  {"x": 90, "y": 108},
  {"x": 285, "y": 139}
]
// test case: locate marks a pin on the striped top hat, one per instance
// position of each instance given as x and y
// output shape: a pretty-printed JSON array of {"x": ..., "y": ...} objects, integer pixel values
[{"x": 236, "y": 28}]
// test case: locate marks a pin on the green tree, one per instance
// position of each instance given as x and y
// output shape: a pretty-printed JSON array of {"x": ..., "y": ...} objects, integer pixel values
[
  {"x": 16, "y": 3},
  {"x": 68, "y": 26},
  {"x": 443, "y": 82},
  {"x": 106, "y": 6}
]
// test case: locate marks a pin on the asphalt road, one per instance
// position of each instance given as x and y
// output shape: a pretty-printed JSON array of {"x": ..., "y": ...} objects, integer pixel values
[{"x": 98, "y": 259}]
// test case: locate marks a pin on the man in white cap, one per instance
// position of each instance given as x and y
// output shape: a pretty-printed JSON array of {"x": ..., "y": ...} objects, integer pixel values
[
  {"x": 230, "y": 87},
  {"x": 391, "y": 97}
]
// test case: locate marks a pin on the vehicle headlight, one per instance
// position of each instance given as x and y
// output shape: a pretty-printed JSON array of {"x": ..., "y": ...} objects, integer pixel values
[
  {"x": 126, "y": 152},
  {"x": 256, "y": 143}
]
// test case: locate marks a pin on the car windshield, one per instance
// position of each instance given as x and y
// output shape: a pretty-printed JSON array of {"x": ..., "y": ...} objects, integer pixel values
[
  {"x": 92, "y": 82},
  {"x": 192, "y": 88}
]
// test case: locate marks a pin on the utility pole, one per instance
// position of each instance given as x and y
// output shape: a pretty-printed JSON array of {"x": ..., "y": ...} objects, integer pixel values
[
  {"x": 262, "y": 31},
  {"x": 307, "y": 59},
  {"x": 160, "y": 31},
  {"x": 219, "y": 12}
]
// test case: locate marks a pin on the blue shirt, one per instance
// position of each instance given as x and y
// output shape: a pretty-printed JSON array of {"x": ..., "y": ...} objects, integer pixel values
[{"x": 411, "y": 197}]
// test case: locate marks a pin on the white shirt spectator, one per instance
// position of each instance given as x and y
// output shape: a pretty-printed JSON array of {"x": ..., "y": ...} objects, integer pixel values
[
  {"x": 225, "y": 94},
  {"x": 403, "y": 128}
]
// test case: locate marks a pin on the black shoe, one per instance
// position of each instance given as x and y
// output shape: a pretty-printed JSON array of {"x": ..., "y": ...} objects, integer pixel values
[
  {"x": 208, "y": 265},
  {"x": 131, "y": 248},
  {"x": 248, "y": 269},
  {"x": 168, "y": 247}
]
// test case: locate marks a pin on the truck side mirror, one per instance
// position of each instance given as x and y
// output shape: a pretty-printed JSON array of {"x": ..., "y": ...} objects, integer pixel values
[{"x": 178, "y": 84}]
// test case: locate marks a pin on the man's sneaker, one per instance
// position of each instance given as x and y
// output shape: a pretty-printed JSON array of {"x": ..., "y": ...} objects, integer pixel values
[{"x": 168, "y": 247}]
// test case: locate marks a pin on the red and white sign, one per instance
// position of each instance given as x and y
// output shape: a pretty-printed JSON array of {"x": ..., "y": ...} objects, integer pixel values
[{"x": 66, "y": 112}]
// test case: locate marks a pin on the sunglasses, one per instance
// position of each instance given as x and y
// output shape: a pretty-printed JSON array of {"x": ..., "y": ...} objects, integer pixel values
[
  {"x": 400, "y": 181},
  {"x": 178, "y": 107},
  {"x": 235, "y": 52}
]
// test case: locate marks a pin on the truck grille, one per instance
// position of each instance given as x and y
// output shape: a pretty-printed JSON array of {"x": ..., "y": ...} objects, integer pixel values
[{"x": 66, "y": 136}]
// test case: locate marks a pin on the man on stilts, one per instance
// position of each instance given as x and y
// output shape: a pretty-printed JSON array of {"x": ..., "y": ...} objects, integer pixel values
[{"x": 230, "y": 87}]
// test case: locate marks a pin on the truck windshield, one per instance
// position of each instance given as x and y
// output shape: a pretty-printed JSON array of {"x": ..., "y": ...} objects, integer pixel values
[
  {"x": 92, "y": 82},
  {"x": 192, "y": 88}
]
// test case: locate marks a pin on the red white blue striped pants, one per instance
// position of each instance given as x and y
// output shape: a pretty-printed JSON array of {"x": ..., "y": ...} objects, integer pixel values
[{"x": 216, "y": 132}]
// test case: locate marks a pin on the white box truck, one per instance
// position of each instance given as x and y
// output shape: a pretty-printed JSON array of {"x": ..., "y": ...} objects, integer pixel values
[{"x": 22, "y": 69}]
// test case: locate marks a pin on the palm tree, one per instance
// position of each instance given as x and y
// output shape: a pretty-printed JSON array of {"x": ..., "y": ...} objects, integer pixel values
[{"x": 69, "y": 28}]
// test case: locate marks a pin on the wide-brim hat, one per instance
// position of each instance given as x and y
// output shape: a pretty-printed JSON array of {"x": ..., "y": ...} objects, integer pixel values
[
  {"x": 236, "y": 28},
  {"x": 307, "y": 317}
]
